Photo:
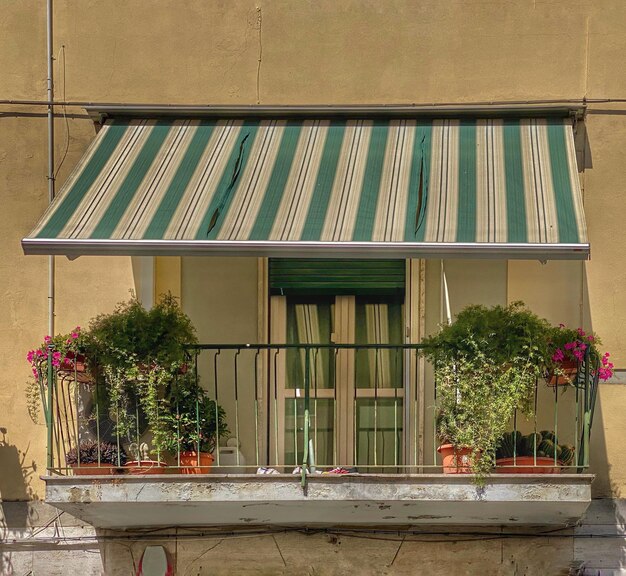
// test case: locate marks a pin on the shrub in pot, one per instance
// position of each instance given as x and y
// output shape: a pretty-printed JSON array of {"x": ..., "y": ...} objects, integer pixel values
[
  {"x": 486, "y": 364},
  {"x": 93, "y": 457},
  {"x": 195, "y": 423}
]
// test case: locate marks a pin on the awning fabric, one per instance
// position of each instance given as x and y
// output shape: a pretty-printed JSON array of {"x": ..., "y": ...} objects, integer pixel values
[{"x": 448, "y": 188}]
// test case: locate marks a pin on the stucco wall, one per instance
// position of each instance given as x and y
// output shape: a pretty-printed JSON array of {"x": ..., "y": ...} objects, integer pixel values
[{"x": 269, "y": 51}]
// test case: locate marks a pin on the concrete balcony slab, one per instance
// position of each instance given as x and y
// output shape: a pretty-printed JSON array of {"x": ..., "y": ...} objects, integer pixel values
[{"x": 170, "y": 500}]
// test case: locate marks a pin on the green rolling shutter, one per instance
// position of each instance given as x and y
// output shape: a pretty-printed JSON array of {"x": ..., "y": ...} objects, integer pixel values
[{"x": 318, "y": 277}]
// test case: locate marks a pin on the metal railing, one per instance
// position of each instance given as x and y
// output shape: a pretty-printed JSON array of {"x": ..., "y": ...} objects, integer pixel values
[{"x": 291, "y": 408}]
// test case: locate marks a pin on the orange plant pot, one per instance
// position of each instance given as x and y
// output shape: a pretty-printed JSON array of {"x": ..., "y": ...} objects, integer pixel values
[
  {"x": 189, "y": 463},
  {"x": 93, "y": 469},
  {"x": 144, "y": 467},
  {"x": 455, "y": 460},
  {"x": 569, "y": 370},
  {"x": 527, "y": 465}
]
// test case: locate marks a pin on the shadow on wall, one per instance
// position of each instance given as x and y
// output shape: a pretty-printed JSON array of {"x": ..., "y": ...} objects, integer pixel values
[{"x": 15, "y": 479}]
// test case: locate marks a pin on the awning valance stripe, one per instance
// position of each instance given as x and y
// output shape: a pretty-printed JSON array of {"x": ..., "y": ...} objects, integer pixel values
[{"x": 487, "y": 182}]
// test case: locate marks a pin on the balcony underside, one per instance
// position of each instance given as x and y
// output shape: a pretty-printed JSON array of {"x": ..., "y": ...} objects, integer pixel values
[{"x": 167, "y": 500}]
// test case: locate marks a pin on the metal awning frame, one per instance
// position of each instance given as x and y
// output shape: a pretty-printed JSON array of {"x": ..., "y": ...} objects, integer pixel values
[
  {"x": 99, "y": 113},
  {"x": 469, "y": 250}
]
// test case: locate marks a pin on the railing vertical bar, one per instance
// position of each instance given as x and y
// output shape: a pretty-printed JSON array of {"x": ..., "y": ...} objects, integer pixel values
[
  {"x": 556, "y": 422},
  {"x": 395, "y": 412},
  {"x": 76, "y": 395},
  {"x": 237, "y": 402},
  {"x": 355, "y": 430},
  {"x": 415, "y": 409},
  {"x": 139, "y": 455},
  {"x": 535, "y": 423},
  {"x": 515, "y": 437},
  {"x": 307, "y": 392},
  {"x": 217, "y": 435},
  {"x": 335, "y": 413},
  {"x": 61, "y": 393},
  {"x": 117, "y": 431},
  {"x": 376, "y": 407},
  {"x": 577, "y": 427},
  {"x": 97, "y": 401},
  {"x": 49, "y": 419},
  {"x": 256, "y": 407},
  {"x": 315, "y": 376},
  {"x": 435, "y": 415},
  {"x": 276, "y": 415}
]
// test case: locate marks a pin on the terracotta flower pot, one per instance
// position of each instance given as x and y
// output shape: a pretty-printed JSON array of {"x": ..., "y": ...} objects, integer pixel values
[
  {"x": 527, "y": 465},
  {"x": 189, "y": 463},
  {"x": 93, "y": 469},
  {"x": 569, "y": 369},
  {"x": 143, "y": 467},
  {"x": 455, "y": 460}
]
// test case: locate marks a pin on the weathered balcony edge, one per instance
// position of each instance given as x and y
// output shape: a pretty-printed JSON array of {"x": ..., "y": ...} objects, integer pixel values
[{"x": 169, "y": 500}]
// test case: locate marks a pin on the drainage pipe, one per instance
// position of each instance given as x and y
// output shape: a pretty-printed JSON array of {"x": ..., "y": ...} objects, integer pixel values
[{"x": 51, "y": 177}]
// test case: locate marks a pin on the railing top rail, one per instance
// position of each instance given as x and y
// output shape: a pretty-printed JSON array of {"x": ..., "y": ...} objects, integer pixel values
[{"x": 305, "y": 346}]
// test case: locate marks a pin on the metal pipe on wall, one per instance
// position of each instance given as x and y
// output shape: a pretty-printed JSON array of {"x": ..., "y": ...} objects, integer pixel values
[{"x": 51, "y": 177}]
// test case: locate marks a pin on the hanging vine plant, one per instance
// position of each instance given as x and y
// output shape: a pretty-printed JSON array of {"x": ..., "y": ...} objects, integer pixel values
[{"x": 138, "y": 354}]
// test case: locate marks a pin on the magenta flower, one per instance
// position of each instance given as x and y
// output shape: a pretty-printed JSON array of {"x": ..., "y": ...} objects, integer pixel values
[
  {"x": 558, "y": 356},
  {"x": 570, "y": 345}
]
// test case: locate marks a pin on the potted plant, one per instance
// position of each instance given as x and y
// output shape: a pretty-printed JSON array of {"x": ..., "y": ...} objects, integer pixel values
[
  {"x": 94, "y": 457},
  {"x": 67, "y": 354},
  {"x": 141, "y": 463},
  {"x": 535, "y": 453},
  {"x": 485, "y": 364},
  {"x": 567, "y": 350},
  {"x": 138, "y": 353},
  {"x": 195, "y": 424}
]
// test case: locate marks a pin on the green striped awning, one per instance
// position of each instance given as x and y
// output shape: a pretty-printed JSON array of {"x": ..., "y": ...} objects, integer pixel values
[{"x": 334, "y": 188}]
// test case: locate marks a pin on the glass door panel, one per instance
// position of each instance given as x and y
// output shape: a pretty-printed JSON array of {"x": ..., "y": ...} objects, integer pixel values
[{"x": 378, "y": 388}]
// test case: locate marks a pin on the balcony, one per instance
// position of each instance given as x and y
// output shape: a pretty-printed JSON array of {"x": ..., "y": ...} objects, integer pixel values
[{"x": 318, "y": 435}]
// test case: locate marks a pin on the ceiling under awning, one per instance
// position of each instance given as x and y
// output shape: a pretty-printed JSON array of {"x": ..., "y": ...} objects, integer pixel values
[{"x": 474, "y": 188}]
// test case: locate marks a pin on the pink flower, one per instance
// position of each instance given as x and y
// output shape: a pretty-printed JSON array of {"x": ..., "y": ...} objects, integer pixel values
[
  {"x": 581, "y": 332},
  {"x": 30, "y": 356},
  {"x": 578, "y": 354},
  {"x": 570, "y": 345},
  {"x": 74, "y": 336},
  {"x": 583, "y": 347},
  {"x": 47, "y": 339},
  {"x": 558, "y": 356},
  {"x": 590, "y": 338},
  {"x": 35, "y": 373}
]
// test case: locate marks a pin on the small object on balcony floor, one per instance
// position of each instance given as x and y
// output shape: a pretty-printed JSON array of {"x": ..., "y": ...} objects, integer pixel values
[
  {"x": 342, "y": 470},
  {"x": 263, "y": 470}
]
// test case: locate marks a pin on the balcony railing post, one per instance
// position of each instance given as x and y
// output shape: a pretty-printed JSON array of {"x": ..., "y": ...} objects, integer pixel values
[
  {"x": 305, "y": 451},
  {"x": 49, "y": 424}
]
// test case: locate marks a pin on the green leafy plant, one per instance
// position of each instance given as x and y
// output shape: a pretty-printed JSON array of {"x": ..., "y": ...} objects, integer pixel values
[
  {"x": 476, "y": 398},
  {"x": 92, "y": 452},
  {"x": 139, "y": 353},
  {"x": 486, "y": 365},
  {"x": 193, "y": 421},
  {"x": 501, "y": 332}
]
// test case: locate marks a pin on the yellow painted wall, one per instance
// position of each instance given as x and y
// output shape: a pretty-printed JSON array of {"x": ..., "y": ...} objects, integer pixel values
[{"x": 279, "y": 51}]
